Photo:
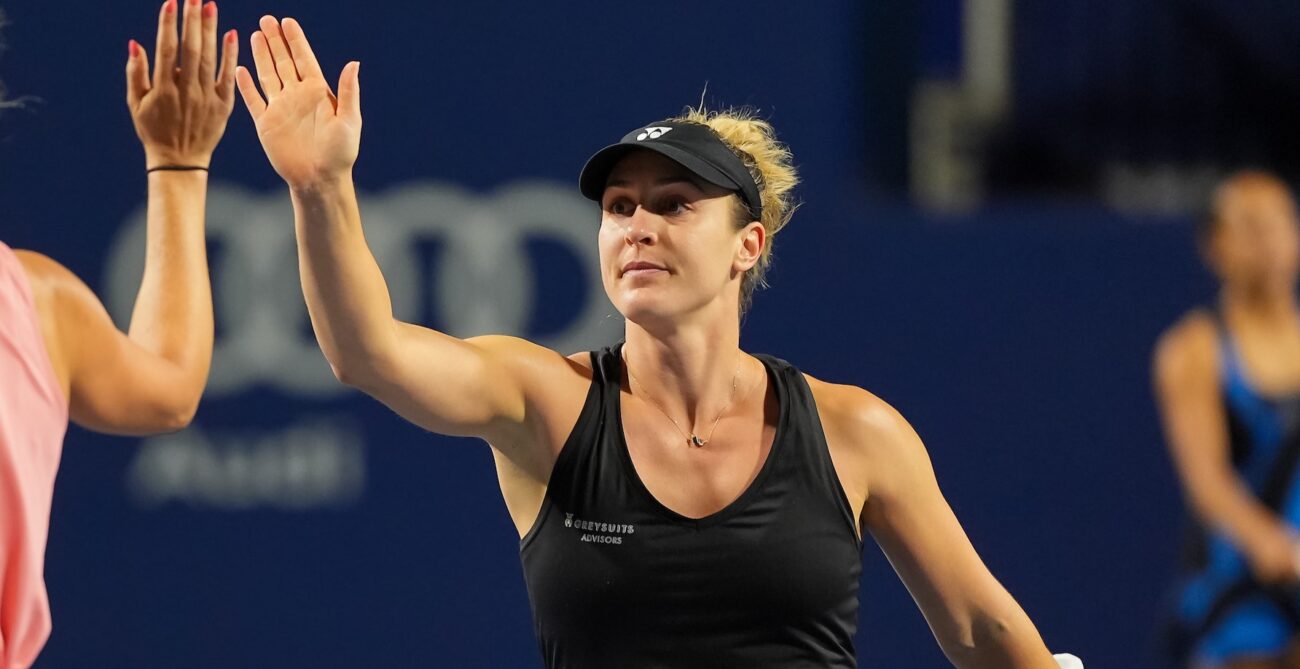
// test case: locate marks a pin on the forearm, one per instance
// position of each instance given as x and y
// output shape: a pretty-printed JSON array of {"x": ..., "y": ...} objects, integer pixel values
[
  {"x": 173, "y": 310},
  {"x": 1223, "y": 502},
  {"x": 347, "y": 297}
]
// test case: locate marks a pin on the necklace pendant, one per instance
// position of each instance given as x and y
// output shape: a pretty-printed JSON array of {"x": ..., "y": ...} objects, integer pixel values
[{"x": 696, "y": 441}]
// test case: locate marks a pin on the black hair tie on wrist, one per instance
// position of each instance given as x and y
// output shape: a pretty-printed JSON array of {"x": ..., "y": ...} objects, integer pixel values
[{"x": 176, "y": 168}]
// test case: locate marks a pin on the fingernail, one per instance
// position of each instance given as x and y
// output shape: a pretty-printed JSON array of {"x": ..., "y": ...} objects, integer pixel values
[
  {"x": 169, "y": 6},
  {"x": 231, "y": 36},
  {"x": 194, "y": 3},
  {"x": 132, "y": 48},
  {"x": 209, "y": 10}
]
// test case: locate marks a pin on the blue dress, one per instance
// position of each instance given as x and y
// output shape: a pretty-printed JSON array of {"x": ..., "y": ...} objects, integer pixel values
[{"x": 1222, "y": 612}]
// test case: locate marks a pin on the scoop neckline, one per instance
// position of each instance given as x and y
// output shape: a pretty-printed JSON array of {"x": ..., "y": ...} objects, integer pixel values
[{"x": 750, "y": 491}]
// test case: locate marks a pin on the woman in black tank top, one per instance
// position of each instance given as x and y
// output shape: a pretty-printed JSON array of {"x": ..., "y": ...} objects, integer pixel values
[{"x": 681, "y": 503}]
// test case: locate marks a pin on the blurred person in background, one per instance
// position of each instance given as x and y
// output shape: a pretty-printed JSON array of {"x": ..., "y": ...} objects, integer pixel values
[
  {"x": 1227, "y": 383},
  {"x": 61, "y": 357},
  {"x": 680, "y": 502}
]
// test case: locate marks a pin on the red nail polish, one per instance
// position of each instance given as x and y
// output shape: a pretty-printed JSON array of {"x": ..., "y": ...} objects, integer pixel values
[
  {"x": 194, "y": 2},
  {"x": 132, "y": 48},
  {"x": 209, "y": 10},
  {"x": 169, "y": 6},
  {"x": 231, "y": 36}
]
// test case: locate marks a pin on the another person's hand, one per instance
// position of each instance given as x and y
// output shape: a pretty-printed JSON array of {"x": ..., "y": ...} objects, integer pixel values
[
  {"x": 310, "y": 136},
  {"x": 180, "y": 112}
]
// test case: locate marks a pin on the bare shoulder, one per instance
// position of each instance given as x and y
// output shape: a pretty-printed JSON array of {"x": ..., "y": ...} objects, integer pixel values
[
  {"x": 51, "y": 281},
  {"x": 875, "y": 450},
  {"x": 582, "y": 361},
  {"x": 857, "y": 417},
  {"x": 42, "y": 270},
  {"x": 1187, "y": 349}
]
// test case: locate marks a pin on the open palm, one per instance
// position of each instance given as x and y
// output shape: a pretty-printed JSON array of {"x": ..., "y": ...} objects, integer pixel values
[{"x": 309, "y": 135}]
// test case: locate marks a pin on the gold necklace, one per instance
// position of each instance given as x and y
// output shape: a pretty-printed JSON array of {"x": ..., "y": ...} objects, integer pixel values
[{"x": 693, "y": 439}]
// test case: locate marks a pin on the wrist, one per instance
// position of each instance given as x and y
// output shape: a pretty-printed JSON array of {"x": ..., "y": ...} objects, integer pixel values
[
  {"x": 177, "y": 176},
  {"x": 322, "y": 185},
  {"x": 159, "y": 158},
  {"x": 176, "y": 169}
]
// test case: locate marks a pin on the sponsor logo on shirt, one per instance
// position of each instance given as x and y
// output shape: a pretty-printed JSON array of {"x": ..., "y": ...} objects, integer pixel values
[{"x": 598, "y": 532}]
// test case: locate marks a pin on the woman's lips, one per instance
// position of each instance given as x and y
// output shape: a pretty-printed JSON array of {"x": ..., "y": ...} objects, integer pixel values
[{"x": 641, "y": 269}]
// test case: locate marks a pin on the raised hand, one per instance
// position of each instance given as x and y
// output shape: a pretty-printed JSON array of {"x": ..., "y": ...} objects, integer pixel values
[
  {"x": 310, "y": 136},
  {"x": 180, "y": 113}
]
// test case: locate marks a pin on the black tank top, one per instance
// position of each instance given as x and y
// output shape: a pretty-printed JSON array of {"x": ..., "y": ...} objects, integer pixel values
[{"x": 618, "y": 580}]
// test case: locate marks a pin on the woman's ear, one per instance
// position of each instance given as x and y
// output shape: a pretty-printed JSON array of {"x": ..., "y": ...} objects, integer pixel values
[{"x": 753, "y": 239}]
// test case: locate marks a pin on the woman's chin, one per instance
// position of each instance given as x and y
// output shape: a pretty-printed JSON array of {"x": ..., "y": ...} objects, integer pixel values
[{"x": 647, "y": 310}]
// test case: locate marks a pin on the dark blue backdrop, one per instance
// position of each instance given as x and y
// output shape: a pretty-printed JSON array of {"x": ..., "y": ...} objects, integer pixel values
[{"x": 1017, "y": 342}]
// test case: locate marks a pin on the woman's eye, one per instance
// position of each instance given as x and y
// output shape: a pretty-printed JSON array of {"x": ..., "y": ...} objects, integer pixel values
[
  {"x": 673, "y": 206},
  {"x": 618, "y": 207}
]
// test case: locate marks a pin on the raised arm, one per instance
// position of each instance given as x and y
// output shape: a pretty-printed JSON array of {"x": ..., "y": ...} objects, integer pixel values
[
  {"x": 976, "y": 622},
  {"x": 150, "y": 379},
  {"x": 1186, "y": 379},
  {"x": 488, "y": 387}
]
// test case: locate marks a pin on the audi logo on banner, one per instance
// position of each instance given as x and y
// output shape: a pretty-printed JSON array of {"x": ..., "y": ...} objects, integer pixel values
[{"x": 480, "y": 280}]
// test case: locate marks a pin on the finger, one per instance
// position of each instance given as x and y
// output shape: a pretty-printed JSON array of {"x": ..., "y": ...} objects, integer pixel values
[
  {"x": 266, "y": 73},
  {"x": 229, "y": 59},
  {"x": 137, "y": 74},
  {"x": 300, "y": 50},
  {"x": 191, "y": 40},
  {"x": 208, "y": 61},
  {"x": 279, "y": 51},
  {"x": 165, "y": 61},
  {"x": 349, "y": 105},
  {"x": 248, "y": 90}
]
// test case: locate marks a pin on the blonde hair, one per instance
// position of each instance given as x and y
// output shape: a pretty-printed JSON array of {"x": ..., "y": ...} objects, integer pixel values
[{"x": 769, "y": 161}]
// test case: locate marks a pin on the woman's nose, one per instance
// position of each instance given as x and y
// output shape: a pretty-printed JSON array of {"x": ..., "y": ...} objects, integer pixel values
[{"x": 640, "y": 227}]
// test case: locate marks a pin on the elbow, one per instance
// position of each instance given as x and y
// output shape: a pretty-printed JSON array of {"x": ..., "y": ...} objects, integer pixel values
[
  {"x": 175, "y": 407},
  {"x": 993, "y": 641},
  {"x": 346, "y": 374},
  {"x": 361, "y": 365},
  {"x": 355, "y": 372},
  {"x": 976, "y": 642},
  {"x": 179, "y": 419},
  {"x": 179, "y": 414},
  {"x": 177, "y": 401},
  {"x": 172, "y": 416}
]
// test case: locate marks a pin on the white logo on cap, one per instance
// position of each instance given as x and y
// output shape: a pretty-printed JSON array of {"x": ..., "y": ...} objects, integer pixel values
[{"x": 652, "y": 133}]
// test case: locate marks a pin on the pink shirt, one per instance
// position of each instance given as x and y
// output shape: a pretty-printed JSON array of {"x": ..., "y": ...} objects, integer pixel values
[{"x": 33, "y": 419}]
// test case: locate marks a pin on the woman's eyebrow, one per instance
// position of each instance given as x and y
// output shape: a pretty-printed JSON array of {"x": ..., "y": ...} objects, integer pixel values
[{"x": 664, "y": 181}]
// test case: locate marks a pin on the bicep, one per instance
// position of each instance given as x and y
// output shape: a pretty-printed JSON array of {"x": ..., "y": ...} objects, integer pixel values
[
  {"x": 114, "y": 385},
  {"x": 491, "y": 387},
  {"x": 1191, "y": 407}
]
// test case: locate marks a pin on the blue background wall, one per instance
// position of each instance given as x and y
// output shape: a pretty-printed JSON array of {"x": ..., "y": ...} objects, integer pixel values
[{"x": 1017, "y": 340}]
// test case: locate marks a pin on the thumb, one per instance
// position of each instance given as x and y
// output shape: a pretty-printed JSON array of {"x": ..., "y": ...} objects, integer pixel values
[
  {"x": 350, "y": 91},
  {"x": 137, "y": 74}
]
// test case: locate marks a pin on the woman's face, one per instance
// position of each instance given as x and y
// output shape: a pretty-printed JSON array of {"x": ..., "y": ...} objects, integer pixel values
[
  {"x": 669, "y": 245},
  {"x": 1255, "y": 241}
]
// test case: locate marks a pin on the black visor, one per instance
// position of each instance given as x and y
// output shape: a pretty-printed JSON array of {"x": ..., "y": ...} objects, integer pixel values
[{"x": 694, "y": 146}]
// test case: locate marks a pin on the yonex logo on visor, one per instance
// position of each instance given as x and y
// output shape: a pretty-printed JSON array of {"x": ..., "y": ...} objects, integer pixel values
[
  {"x": 652, "y": 133},
  {"x": 694, "y": 146}
]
